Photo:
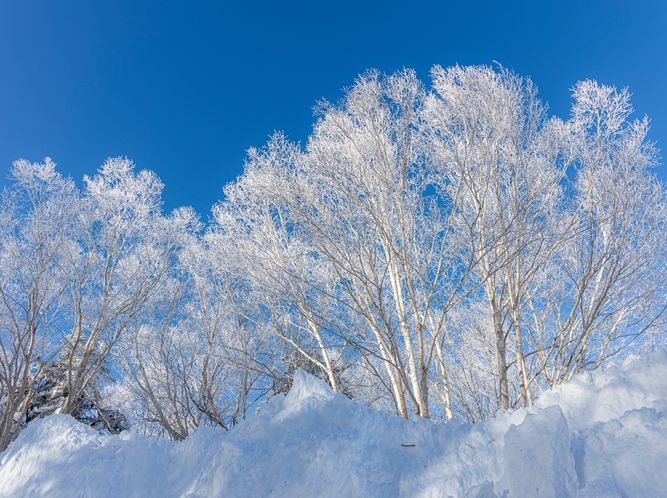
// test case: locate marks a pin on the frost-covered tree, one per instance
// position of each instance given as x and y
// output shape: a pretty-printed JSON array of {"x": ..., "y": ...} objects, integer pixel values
[
  {"x": 37, "y": 216},
  {"x": 51, "y": 388},
  {"x": 491, "y": 133},
  {"x": 276, "y": 261},
  {"x": 78, "y": 268},
  {"x": 604, "y": 289},
  {"x": 117, "y": 260}
]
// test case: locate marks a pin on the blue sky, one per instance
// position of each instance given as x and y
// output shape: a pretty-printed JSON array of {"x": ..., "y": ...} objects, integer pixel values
[{"x": 184, "y": 88}]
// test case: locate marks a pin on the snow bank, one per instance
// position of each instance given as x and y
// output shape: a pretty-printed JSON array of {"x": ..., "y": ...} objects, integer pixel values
[{"x": 602, "y": 434}]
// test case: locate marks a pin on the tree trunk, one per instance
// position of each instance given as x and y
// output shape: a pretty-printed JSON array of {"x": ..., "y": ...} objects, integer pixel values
[{"x": 503, "y": 400}]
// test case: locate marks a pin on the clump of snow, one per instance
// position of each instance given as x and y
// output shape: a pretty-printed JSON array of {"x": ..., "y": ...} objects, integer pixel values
[
  {"x": 540, "y": 446},
  {"x": 608, "y": 393},
  {"x": 604, "y": 433}
]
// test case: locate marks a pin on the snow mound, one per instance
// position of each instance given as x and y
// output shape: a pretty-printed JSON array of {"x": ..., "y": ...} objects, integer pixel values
[{"x": 603, "y": 434}]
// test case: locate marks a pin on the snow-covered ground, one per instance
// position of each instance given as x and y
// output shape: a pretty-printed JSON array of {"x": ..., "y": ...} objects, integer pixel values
[{"x": 603, "y": 434}]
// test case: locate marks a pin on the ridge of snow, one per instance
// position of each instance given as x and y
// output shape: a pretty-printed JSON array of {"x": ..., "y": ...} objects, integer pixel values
[{"x": 603, "y": 433}]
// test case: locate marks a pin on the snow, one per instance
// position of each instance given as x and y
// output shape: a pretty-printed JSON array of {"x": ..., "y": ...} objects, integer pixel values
[{"x": 603, "y": 434}]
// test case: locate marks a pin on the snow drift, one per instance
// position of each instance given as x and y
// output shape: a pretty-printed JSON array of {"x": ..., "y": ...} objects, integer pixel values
[{"x": 603, "y": 434}]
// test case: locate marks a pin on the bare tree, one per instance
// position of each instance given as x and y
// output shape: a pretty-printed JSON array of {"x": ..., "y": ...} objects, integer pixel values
[
  {"x": 605, "y": 289},
  {"x": 38, "y": 212}
]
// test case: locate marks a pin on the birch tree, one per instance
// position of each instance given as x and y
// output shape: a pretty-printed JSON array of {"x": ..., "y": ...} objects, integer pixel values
[
  {"x": 37, "y": 216},
  {"x": 606, "y": 290},
  {"x": 490, "y": 131}
]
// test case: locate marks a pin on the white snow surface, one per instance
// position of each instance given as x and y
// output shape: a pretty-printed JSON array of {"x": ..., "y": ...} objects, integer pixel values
[{"x": 603, "y": 434}]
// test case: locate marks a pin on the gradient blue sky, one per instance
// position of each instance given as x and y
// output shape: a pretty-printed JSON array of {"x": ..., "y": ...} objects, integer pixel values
[{"x": 184, "y": 88}]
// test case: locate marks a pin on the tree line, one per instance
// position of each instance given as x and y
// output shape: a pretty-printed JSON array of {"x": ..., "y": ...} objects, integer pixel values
[{"x": 433, "y": 252}]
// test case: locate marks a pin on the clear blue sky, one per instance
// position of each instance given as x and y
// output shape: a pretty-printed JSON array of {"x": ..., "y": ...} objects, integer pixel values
[{"x": 184, "y": 88}]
